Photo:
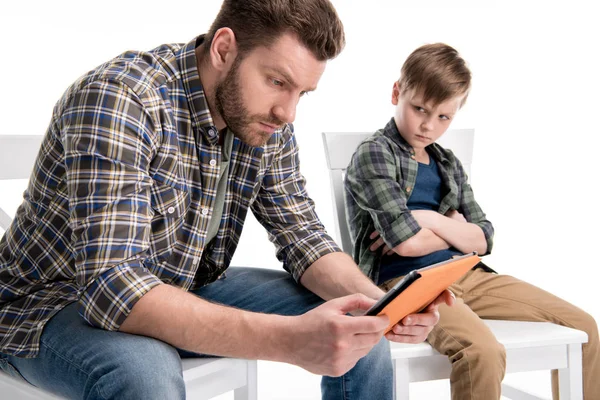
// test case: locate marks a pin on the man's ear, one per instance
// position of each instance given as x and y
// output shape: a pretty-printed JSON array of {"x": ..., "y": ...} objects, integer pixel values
[
  {"x": 223, "y": 49},
  {"x": 395, "y": 93}
]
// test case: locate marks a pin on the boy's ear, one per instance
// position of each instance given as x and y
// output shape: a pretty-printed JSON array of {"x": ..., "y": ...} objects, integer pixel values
[
  {"x": 395, "y": 93},
  {"x": 223, "y": 49}
]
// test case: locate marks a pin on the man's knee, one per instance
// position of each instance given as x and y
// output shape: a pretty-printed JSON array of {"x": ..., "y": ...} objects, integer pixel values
[
  {"x": 379, "y": 358},
  {"x": 154, "y": 374}
]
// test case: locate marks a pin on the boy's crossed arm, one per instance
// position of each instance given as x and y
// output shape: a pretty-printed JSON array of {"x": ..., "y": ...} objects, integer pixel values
[{"x": 438, "y": 232}]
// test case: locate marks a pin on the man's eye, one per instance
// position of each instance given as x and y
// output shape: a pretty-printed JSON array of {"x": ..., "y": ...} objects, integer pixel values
[
  {"x": 303, "y": 93},
  {"x": 277, "y": 82}
]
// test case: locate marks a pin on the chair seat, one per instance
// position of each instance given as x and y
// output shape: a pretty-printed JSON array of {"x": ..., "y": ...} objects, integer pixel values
[
  {"x": 204, "y": 378},
  {"x": 530, "y": 346},
  {"x": 512, "y": 334}
]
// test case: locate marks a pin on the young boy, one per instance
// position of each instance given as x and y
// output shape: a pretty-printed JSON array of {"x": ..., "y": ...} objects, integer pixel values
[{"x": 410, "y": 205}]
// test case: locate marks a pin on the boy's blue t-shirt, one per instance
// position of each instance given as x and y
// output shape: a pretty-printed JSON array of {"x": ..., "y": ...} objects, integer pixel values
[{"x": 426, "y": 195}]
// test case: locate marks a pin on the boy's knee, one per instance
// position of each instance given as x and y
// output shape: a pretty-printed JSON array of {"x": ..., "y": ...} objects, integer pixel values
[
  {"x": 588, "y": 324},
  {"x": 489, "y": 355}
]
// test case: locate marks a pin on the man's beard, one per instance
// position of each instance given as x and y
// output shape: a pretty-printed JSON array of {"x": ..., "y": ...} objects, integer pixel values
[{"x": 228, "y": 101}]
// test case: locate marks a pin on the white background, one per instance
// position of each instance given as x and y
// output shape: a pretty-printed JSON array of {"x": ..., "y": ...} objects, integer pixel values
[{"x": 534, "y": 106}]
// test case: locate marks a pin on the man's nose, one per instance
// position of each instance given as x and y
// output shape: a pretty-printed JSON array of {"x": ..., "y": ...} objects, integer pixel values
[{"x": 285, "y": 111}]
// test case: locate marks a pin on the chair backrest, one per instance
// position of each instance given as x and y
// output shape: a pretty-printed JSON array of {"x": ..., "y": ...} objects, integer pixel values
[
  {"x": 339, "y": 148},
  {"x": 17, "y": 155}
]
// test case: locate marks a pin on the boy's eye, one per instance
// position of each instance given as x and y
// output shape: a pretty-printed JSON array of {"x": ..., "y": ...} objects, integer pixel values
[
  {"x": 444, "y": 117},
  {"x": 303, "y": 93},
  {"x": 420, "y": 109},
  {"x": 276, "y": 82}
]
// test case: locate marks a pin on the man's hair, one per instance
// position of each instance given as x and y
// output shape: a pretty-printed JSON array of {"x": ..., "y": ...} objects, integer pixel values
[
  {"x": 437, "y": 72},
  {"x": 260, "y": 22}
]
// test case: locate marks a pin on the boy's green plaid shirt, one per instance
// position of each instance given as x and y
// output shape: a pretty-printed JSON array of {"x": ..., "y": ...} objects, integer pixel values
[{"x": 378, "y": 183}]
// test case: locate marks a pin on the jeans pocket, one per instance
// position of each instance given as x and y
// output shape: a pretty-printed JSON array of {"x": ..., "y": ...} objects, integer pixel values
[{"x": 9, "y": 369}]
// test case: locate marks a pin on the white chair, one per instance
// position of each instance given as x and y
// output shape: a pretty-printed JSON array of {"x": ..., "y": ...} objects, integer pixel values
[
  {"x": 204, "y": 378},
  {"x": 530, "y": 346}
]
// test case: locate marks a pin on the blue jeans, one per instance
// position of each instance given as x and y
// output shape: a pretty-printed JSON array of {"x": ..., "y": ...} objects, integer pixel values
[{"x": 82, "y": 362}]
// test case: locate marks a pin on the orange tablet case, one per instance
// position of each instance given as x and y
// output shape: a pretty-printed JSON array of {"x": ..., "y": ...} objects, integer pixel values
[{"x": 433, "y": 281}]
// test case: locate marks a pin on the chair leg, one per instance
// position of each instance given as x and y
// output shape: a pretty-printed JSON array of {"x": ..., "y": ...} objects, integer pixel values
[
  {"x": 401, "y": 379},
  {"x": 570, "y": 379},
  {"x": 250, "y": 391}
]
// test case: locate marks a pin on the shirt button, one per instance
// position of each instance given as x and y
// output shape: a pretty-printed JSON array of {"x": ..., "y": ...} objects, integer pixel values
[
  {"x": 408, "y": 189},
  {"x": 212, "y": 132},
  {"x": 212, "y": 163},
  {"x": 204, "y": 211},
  {"x": 413, "y": 157},
  {"x": 171, "y": 210},
  {"x": 57, "y": 307}
]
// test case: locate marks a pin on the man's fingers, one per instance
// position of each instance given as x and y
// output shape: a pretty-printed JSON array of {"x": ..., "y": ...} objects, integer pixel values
[
  {"x": 373, "y": 235},
  {"x": 446, "y": 297},
  {"x": 366, "y": 325},
  {"x": 405, "y": 338},
  {"x": 426, "y": 318},
  {"x": 352, "y": 302}
]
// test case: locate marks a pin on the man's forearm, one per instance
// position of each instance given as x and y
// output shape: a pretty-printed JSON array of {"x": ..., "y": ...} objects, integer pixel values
[
  {"x": 190, "y": 323},
  {"x": 335, "y": 275}
]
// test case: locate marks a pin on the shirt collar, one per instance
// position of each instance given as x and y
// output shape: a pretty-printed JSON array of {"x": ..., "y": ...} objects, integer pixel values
[
  {"x": 391, "y": 131},
  {"x": 194, "y": 91}
]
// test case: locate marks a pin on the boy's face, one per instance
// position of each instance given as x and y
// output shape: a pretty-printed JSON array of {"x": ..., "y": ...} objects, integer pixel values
[
  {"x": 420, "y": 123},
  {"x": 260, "y": 93}
]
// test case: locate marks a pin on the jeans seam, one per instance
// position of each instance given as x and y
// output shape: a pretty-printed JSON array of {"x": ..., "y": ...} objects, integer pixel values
[
  {"x": 71, "y": 363},
  {"x": 344, "y": 392}
]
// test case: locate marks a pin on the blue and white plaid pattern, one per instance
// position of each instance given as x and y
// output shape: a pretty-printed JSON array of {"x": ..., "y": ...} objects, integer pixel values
[{"x": 122, "y": 193}]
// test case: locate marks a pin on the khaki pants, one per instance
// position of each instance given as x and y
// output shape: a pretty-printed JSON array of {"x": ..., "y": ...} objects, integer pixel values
[{"x": 478, "y": 360}]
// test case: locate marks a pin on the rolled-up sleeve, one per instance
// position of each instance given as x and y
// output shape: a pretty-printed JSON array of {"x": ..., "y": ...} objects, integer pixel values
[
  {"x": 107, "y": 137},
  {"x": 371, "y": 179},
  {"x": 284, "y": 208}
]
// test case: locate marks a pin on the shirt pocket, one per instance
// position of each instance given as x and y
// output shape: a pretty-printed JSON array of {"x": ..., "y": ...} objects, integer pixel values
[
  {"x": 170, "y": 207},
  {"x": 168, "y": 201}
]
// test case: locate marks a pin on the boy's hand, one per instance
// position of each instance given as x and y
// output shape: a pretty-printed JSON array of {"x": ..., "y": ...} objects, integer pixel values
[
  {"x": 378, "y": 243},
  {"x": 415, "y": 328},
  {"x": 327, "y": 341},
  {"x": 455, "y": 215}
]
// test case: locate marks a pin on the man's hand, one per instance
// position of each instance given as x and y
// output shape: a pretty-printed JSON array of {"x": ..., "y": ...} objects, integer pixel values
[
  {"x": 415, "y": 328},
  {"x": 327, "y": 341}
]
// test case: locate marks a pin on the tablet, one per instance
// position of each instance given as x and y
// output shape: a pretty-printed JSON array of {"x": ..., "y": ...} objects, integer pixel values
[{"x": 420, "y": 287}]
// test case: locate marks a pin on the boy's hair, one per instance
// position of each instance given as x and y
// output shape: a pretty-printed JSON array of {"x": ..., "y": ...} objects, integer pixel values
[
  {"x": 260, "y": 22},
  {"x": 437, "y": 72}
]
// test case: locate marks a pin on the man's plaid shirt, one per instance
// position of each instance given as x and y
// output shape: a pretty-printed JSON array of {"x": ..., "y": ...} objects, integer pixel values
[
  {"x": 122, "y": 193},
  {"x": 378, "y": 183}
]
